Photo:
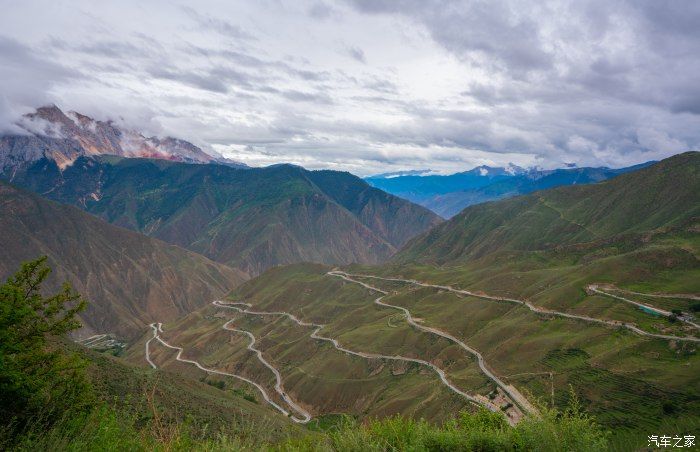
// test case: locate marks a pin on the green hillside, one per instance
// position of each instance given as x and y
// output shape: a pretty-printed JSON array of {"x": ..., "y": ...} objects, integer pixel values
[
  {"x": 662, "y": 195},
  {"x": 520, "y": 306},
  {"x": 58, "y": 397},
  {"x": 251, "y": 219}
]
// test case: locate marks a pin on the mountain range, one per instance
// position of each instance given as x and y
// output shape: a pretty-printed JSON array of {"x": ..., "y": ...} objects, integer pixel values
[
  {"x": 447, "y": 195},
  {"x": 342, "y": 298},
  {"x": 644, "y": 200},
  {"x": 512, "y": 281},
  {"x": 251, "y": 219},
  {"x": 63, "y": 137}
]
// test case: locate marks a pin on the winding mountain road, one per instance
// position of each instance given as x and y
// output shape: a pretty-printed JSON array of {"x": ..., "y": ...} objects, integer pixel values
[
  {"x": 687, "y": 296},
  {"x": 479, "y": 400},
  {"x": 278, "y": 378},
  {"x": 530, "y": 306},
  {"x": 158, "y": 328},
  {"x": 512, "y": 392}
]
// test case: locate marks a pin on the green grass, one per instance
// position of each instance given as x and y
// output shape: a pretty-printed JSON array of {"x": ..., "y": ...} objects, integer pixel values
[
  {"x": 107, "y": 430},
  {"x": 207, "y": 407}
]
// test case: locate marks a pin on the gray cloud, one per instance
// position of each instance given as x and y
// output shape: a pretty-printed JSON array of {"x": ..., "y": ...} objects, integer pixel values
[
  {"x": 450, "y": 84},
  {"x": 221, "y": 26},
  {"x": 26, "y": 79},
  {"x": 356, "y": 54},
  {"x": 470, "y": 28},
  {"x": 321, "y": 10}
]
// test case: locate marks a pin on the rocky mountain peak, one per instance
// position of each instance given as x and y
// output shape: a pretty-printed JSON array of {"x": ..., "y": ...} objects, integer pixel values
[{"x": 64, "y": 136}]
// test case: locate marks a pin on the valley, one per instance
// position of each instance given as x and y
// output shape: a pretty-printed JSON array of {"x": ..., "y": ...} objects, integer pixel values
[
  {"x": 249, "y": 219},
  {"x": 350, "y": 226},
  {"x": 514, "y": 330},
  {"x": 537, "y": 377},
  {"x": 514, "y": 307},
  {"x": 129, "y": 278}
]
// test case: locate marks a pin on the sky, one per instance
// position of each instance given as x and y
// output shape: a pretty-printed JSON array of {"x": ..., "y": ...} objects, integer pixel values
[{"x": 370, "y": 86}]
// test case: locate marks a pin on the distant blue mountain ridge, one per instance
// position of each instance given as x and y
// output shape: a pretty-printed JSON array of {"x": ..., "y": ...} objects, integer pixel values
[{"x": 447, "y": 195}]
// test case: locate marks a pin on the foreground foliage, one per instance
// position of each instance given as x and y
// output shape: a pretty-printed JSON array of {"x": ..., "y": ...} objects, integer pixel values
[
  {"x": 37, "y": 377},
  {"x": 105, "y": 429}
]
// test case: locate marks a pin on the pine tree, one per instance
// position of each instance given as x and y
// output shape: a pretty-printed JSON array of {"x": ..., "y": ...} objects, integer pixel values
[{"x": 39, "y": 378}]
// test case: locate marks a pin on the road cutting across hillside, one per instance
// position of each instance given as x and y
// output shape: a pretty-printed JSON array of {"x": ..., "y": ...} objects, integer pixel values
[
  {"x": 278, "y": 378},
  {"x": 476, "y": 399},
  {"x": 595, "y": 288},
  {"x": 530, "y": 306},
  {"x": 512, "y": 392},
  {"x": 158, "y": 328}
]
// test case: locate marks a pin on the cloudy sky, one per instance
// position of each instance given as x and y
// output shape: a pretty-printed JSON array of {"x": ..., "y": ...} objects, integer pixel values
[{"x": 370, "y": 86}]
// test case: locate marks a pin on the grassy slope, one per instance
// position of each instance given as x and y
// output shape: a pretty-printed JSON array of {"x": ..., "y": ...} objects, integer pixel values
[
  {"x": 632, "y": 384},
  {"x": 638, "y": 232},
  {"x": 128, "y": 278},
  {"x": 206, "y": 409},
  {"x": 321, "y": 378}
]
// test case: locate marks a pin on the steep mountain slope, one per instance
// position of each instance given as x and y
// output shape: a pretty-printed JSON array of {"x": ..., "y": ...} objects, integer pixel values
[
  {"x": 388, "y": 216},
  {"x": 662, "y": 195},
  {"x": 251, "y": 219},
  {"x": 129, "y": 279},
  {"x": 447, "y": 195},
  {"x": 64, "y": 137}
]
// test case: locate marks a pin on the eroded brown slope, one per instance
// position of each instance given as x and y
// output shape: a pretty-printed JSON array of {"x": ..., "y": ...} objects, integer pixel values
[{"x": 129, "y": 279}]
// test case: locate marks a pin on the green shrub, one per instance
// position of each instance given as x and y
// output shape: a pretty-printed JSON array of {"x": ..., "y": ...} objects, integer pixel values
[{"x": 38, "y": 378}]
